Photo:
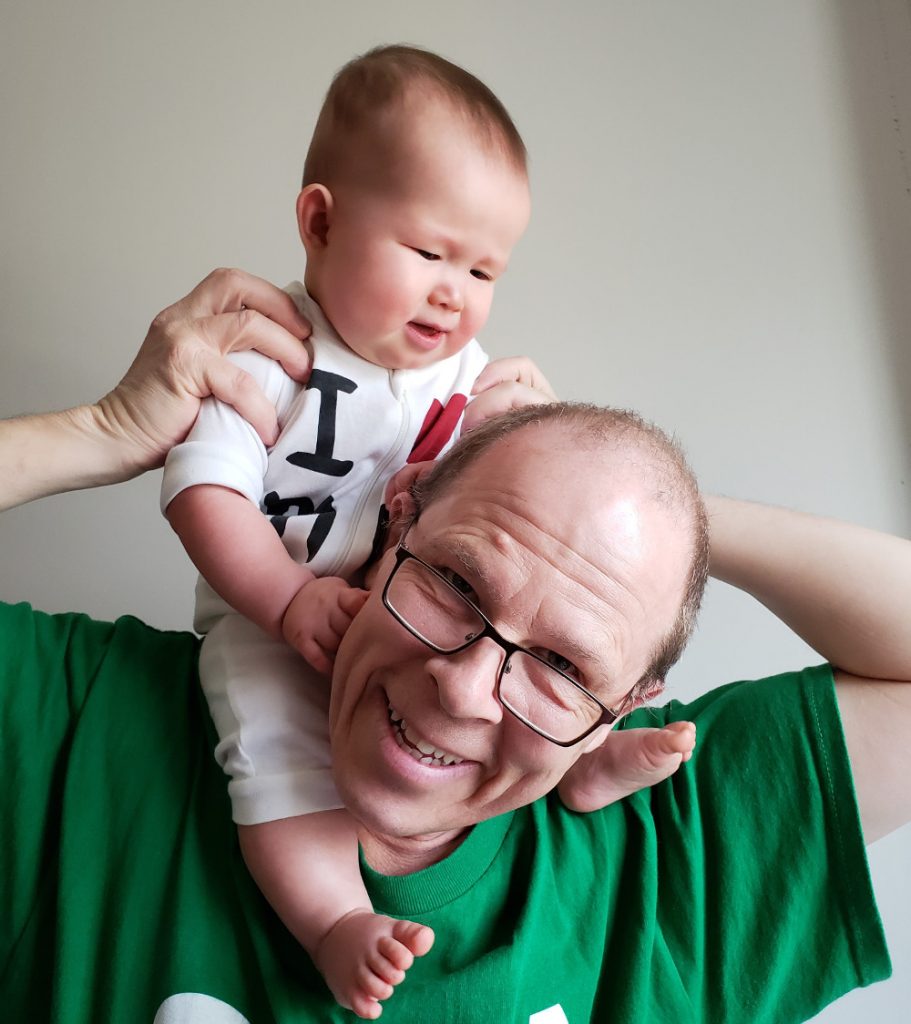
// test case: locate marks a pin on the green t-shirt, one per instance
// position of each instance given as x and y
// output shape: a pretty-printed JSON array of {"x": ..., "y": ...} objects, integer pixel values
[{"x": 737, "y": 891}]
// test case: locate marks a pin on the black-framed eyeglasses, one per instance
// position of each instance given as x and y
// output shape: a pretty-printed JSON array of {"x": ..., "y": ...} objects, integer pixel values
[{"x": 548, "y": 701}]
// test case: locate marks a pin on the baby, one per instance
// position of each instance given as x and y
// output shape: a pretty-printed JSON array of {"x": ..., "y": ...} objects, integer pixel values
[{"x": 415, "y": 191}]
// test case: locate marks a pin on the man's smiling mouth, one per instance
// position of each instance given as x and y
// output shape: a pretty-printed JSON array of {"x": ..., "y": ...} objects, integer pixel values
[{"x": 416, "y": 746}]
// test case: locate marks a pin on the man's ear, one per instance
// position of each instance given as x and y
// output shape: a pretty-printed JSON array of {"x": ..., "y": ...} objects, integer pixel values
[
  {"x": 401, "y": 515},
  {"x": 315, "y": 207},
  {"x": 647, "y": 691}
]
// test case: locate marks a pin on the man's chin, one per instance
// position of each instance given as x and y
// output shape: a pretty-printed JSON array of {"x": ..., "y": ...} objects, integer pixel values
[
  {"x": 396, "y": 849},
  {"x": 382, "y": 816}
]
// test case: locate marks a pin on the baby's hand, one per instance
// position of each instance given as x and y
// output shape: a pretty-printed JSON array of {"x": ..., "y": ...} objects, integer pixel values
[
  {"x": 506, "y": 384},
  {"x": 318, "y": 617}
]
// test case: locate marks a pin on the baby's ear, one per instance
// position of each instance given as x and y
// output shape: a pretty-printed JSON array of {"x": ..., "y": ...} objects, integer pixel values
[{"x": 315, "y": 206}]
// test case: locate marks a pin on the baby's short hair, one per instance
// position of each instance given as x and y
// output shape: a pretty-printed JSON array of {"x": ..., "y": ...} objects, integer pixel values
[{"x": 382, "y": 79}]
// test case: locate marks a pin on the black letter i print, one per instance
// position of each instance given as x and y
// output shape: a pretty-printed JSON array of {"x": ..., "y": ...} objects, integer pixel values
[{"x": 319, "y": 461}]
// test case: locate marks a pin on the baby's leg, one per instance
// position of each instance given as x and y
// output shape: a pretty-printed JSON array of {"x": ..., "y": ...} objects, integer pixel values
[
  {"x": 627, "y": 761},
  {"x": 307, "y": 868}
]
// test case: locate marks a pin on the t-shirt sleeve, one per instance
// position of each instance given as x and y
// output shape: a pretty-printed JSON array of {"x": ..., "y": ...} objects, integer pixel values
[{"x": 762, "y": 897}]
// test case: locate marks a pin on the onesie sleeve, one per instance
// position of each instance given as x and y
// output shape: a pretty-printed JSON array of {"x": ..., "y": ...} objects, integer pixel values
[{"x": 222, "y": 448}]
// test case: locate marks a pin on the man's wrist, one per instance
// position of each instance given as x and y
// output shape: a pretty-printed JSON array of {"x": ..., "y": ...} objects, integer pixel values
[{"x": 53, "y": 452}]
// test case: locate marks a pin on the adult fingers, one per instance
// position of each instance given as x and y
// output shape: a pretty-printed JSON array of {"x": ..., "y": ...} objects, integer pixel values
[
  {"x": 245, "y": 329},
  {"x": 230, "y": 290},
  {"x": 235, "y": 387}
]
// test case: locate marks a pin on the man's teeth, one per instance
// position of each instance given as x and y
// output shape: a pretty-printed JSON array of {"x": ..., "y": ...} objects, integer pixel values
[{"x": 415, "y": 745}]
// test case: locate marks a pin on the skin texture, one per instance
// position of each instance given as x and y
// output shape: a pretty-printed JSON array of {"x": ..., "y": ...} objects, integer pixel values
[{"x": 597, "y": 583}]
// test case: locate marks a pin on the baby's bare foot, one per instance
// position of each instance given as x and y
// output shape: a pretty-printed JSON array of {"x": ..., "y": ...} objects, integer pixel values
[
  {"x": 627, "y": 761},
  {"x": 364, "y": 955}
]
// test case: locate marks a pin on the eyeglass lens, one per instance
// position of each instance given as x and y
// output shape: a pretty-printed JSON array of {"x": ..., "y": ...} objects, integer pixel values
[{"x": 437, "y": 613}]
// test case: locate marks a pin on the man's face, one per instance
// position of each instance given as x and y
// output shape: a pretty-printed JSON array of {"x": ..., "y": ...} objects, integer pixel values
[
  {"x": 563, "y": 552},
  {"x": 408, "y": 271}
]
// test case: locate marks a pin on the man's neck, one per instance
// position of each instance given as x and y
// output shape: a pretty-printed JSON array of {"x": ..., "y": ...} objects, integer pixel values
[{"x": 403, "y": 855}]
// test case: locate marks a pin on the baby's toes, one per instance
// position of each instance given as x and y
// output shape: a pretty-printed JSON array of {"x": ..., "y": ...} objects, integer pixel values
[
  {"x": 366, "y": 1007},
  {"x": 389, "y": 961},
  {"x": 371, "y": 984},
  {"x": 678, "y": 738},
  {"x": 416, "y": 937},
  {"x": 394, "y": 955}
]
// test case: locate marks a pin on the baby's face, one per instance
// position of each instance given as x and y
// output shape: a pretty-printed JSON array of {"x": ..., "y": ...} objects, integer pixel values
[{"x": 408, "y": 273}]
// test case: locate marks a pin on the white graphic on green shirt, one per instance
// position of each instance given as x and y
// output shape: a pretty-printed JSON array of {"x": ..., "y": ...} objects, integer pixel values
[
  {"x": 552, "y": 1015},
  {"x": 196, "y": 1008}
]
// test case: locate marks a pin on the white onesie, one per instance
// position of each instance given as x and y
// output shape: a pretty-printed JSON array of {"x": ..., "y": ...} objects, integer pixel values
[{"x": 342, "y": 437}]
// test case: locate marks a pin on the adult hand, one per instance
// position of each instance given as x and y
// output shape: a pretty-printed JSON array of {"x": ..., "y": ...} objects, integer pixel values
[
  {"x": 506, "y": 384},
  {"x": 182, "y": 361}
]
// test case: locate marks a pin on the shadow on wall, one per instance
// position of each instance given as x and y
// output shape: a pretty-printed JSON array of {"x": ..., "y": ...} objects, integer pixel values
[{"x": 878, "y": 37}]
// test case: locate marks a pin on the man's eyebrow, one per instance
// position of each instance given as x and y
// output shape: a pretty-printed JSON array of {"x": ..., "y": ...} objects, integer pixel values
[
  {"x": 467, "y": 560},
  {"x": 597, "y": 678},
  {"x": 572, "y": 649},
  {"x": 559, "y": 640}
]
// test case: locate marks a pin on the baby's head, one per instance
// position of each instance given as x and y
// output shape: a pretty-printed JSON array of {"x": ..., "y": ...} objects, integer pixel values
[{"x": 415, "y": 191}]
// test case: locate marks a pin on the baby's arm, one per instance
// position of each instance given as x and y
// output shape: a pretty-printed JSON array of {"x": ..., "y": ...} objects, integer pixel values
[{"x": 237, "y": 550}]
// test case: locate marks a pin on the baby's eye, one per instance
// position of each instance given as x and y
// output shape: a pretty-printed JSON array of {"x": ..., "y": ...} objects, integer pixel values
[
  {"x": 481, "y": 275},
  {"x": 424, "y": 254}
]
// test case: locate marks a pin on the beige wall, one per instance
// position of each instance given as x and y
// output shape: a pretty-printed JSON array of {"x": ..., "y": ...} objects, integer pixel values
[{"x": 720, "y": 238}]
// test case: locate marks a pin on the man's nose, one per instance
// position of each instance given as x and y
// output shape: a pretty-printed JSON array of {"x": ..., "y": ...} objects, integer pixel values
[
  {"x": 467, "y": 682},
  {"x": 447, "y": 295}
]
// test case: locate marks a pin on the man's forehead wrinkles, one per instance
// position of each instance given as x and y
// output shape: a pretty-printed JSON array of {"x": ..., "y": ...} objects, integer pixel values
[
  {"x": 502, "y": 524},
  {"x": 590, "y": 603},
  {"x": 566, "y": 559}
]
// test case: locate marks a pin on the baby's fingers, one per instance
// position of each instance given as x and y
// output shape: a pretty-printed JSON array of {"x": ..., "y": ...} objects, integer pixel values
[
  {"x": 499, "y": 399},
  {"x": 316, "y": 656},
  {"x": 352, "y": 600},
  {"x": 509, "y": 369}
]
